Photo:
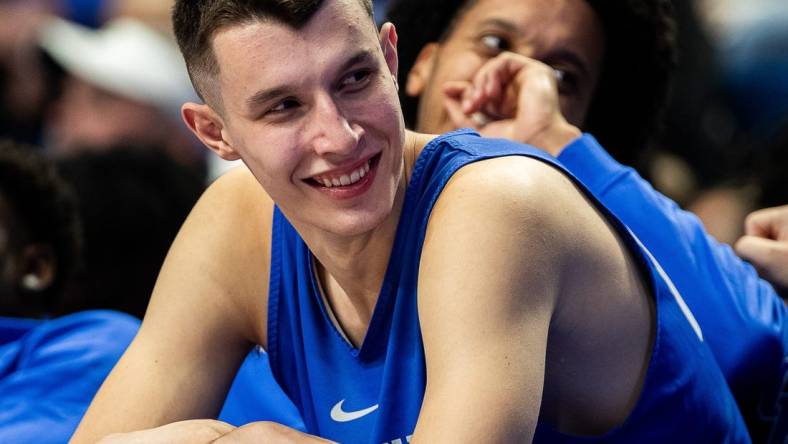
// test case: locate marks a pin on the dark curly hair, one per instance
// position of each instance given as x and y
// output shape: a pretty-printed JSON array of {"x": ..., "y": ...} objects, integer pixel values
[
  {"x": 46, "y": 212},
  {"x": 633, "y": 89}
]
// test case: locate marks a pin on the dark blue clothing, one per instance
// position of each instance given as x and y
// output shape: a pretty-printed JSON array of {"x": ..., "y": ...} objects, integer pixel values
[
  {"x": 742, "y": 317},
  {"x": 50, "y": 370},
  {"x": 373, "y": 394}
]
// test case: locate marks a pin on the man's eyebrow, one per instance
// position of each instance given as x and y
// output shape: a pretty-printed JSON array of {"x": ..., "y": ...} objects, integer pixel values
[
  {"x": 561, "y": 54},
  {"x": 500, "y": 23},
  {"x": 265, "y": 95},
  {"x": 362, "y": 56}
]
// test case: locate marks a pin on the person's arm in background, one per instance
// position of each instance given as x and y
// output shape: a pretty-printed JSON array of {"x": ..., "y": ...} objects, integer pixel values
[
  {"x": 742, "y": 317},
  {"x": 765, "y": 244}
]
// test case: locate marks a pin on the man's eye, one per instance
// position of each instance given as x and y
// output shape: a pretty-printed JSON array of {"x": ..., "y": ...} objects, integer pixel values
[
  {"x": 355, "y": 79},
  {"x": 495, "y": 44},
  {"x": 284, "y": 105},
  {"x": 567, "y": 81}
]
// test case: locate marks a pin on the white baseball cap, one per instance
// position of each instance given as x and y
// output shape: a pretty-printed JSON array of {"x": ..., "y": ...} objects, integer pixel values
[{"x": 125, "y": 57}]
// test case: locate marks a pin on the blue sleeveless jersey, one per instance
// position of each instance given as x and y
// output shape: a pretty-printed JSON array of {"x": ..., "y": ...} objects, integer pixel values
[{"x": 373, "y": 394}]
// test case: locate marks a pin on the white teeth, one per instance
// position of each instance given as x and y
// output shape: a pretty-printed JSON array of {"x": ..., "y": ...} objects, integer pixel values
[{"x": 345, "y": 179}]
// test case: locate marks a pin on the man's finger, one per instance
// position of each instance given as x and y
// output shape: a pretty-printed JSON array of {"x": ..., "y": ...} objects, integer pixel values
[
  {"x": 458, "y": 118},
  {"x": 768, "y": 256},
  {"x": 770, "y": 223}
]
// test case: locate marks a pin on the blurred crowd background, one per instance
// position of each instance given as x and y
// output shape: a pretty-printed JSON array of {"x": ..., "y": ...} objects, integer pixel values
[
  {"x": 96, "y": 86},
  {"x": 98, "y": 172}
]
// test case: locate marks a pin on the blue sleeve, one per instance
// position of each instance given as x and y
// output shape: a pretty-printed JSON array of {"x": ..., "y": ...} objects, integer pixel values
[
  {"x": 51, "y": 374},
  {"x": 742, "y": 318}
]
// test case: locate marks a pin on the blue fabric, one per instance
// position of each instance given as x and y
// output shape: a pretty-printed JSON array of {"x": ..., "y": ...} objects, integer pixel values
[
  {"x": 255, "y": 396},
  {"x": 742, "y": 317},
  {"x": 684, "y": 399},
  {"x": 50, "y": 370}
]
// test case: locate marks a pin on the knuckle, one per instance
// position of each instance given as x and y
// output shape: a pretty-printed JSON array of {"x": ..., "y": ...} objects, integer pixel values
[{"x": 751, "y": 219}]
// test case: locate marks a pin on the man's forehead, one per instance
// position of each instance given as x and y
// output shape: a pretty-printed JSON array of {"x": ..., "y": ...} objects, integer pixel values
[
  {"x": 264, "y": 54},
  {"x": 336, "y": 20}
]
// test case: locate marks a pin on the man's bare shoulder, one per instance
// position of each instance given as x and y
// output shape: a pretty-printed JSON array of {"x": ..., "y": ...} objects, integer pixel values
[
  {"x": 237, "y": 192},
  {"x": 503, "y": 215},
  {"x": 520, "y": 188},
  {"x": 223, "y": 249},
  {"x": 525, "y": 214}
]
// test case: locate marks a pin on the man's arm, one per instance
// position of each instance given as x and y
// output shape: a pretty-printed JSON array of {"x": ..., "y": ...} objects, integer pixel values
[
  {"x": 208, "y": 306},
  {"x": 215, "y": 432},
  {"x": 487, "y": 292}
]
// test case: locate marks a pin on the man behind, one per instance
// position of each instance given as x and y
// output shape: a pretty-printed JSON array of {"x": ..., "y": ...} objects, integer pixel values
[{"x": 371, "y": 344}]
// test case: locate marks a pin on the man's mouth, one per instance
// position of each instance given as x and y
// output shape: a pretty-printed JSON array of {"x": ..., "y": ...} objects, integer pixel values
[{"x": 348, "y": 178}]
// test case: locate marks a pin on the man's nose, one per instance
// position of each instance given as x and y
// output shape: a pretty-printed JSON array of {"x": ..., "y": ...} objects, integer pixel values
[{"x": 334, "y": 132}]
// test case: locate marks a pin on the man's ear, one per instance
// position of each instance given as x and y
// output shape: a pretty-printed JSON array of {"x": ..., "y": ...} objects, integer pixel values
[
  {"x": 208, "y": 126},
  {"x": 37, "y": 268},
  {"x": 388, "y": 42},
  {"x": 419, "y": 75}
]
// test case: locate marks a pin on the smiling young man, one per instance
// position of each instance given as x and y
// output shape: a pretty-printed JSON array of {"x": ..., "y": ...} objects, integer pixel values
[{"x": 401, "y": 283}]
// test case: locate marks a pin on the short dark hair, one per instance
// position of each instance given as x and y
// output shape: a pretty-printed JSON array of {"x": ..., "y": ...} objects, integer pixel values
[
  {"x": 196, "y": 21},
  {"x": 633, "y": 89},
  {"x": 46, "y": 209}
]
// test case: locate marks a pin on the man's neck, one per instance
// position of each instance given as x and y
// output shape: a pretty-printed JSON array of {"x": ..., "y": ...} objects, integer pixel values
[{"x": 351, "y": 271}]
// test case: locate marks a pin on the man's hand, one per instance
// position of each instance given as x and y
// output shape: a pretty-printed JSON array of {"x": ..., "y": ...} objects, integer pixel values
[
  {"x": 205, "y": 431},
  {"x": 512, "y": 97},
  {"x": 765, "y": 244},
  {"x": 269, "y": 433},
  {"x": 197, "y": 431}
]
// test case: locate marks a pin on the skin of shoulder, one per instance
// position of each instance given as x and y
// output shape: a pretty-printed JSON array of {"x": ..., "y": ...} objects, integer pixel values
[
  {"x": 530, "y": 244},
  {"x": 207, "y": 309}
]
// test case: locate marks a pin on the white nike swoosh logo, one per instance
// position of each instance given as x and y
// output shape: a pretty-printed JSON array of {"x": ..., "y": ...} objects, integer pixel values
[{"x": 339, "y": 415}]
